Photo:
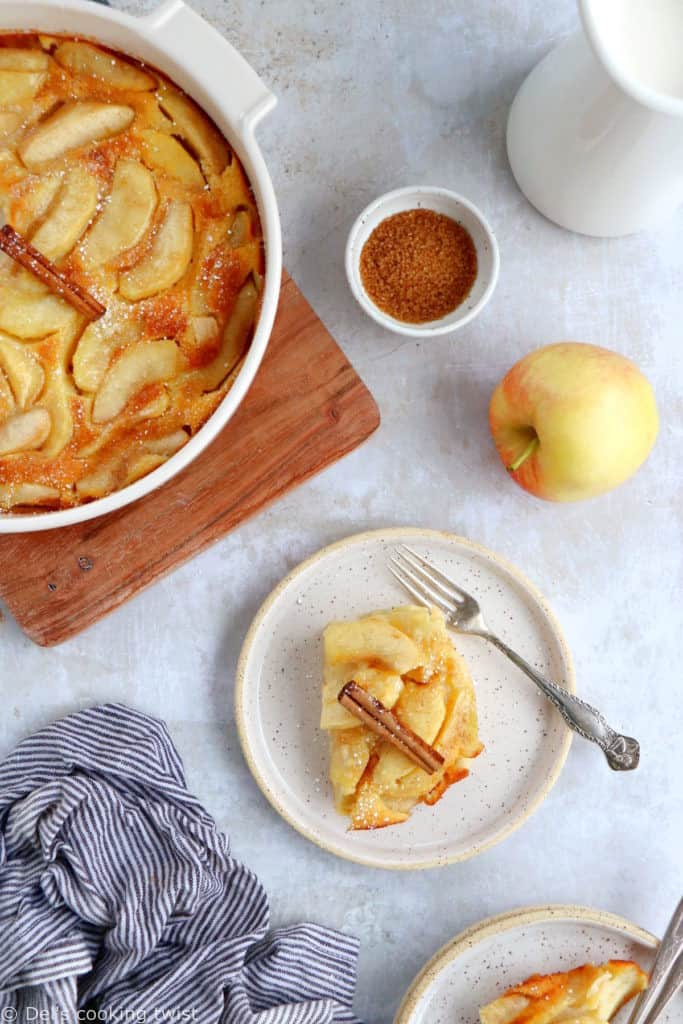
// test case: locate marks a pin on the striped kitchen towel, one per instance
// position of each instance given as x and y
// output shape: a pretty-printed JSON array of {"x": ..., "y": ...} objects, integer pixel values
[{"x": 119, "y": 900}]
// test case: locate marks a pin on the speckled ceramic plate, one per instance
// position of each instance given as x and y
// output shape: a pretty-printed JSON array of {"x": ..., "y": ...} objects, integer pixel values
[
  {"x": 480, "y": 963},
  {"x": 278, "y": 700}
]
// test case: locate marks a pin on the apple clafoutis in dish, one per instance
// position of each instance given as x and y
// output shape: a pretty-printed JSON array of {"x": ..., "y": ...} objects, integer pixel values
[
  {"x": 400, "y": 709},
  {"x": 131, "y": 192}
]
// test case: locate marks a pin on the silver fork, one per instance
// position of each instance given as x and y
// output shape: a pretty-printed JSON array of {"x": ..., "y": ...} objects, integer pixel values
[
  {"x": 430, "y": 586},
  {"x": 666, "y": 976}
]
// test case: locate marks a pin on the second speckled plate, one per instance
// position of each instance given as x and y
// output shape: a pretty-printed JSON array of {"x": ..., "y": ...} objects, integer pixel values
[
  {"x": 485, "y": 960},
  {"x": 279, "y": 681}
]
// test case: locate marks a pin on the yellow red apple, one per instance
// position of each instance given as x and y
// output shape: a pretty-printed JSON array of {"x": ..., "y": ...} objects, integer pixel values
[{"x": 572, "y": 420}]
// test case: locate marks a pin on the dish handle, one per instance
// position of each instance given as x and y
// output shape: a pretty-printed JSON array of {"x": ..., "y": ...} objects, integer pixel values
[{"x": 178, "y": 26}]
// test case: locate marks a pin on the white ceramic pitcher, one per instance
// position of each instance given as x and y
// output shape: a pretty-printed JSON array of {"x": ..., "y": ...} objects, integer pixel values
[{"x": 595, "y": 134}]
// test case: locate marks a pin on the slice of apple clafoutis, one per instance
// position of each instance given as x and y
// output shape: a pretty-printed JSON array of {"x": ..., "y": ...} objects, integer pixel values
[
  {"x": 131, "y": 192},
  {"x": 585, "y": 995},
  {"x": 400, "y": 709}
]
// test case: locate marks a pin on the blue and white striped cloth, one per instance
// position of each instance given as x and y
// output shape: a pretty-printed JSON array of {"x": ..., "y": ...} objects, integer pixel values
[{"x": 119, "y": 900}]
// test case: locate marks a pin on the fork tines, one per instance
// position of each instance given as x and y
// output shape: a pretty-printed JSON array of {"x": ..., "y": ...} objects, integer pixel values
[{"x": 427, "y": 584}]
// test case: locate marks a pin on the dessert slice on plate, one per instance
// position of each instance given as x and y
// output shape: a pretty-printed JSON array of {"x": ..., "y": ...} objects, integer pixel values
[
  {"x": 586, "y": 995},
  {"x": 400, "y": 709}
]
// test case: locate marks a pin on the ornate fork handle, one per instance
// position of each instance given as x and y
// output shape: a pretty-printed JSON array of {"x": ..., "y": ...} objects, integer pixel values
[{"x": 622, "y": 752}]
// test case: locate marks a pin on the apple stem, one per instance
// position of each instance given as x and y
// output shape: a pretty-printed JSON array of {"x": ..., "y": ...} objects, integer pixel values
[{"x": 529, "y": 450}]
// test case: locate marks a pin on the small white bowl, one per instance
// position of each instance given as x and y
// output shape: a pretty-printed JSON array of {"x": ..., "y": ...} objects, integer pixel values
[{"x": 441, "y": 200}]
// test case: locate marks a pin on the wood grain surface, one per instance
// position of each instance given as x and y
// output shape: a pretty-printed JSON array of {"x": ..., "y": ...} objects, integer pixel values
[{"x": 306, "y": 409}]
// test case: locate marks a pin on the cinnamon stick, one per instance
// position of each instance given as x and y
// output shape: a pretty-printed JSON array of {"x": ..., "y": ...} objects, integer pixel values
[
  {"x": 16, "y": 246},
  {"x": 384, "y": 723}
]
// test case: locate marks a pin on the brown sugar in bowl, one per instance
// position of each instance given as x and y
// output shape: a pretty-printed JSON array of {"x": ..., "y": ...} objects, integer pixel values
[
  {"x": 418, "y": 265},
  {"x": 422, "y": 261}
]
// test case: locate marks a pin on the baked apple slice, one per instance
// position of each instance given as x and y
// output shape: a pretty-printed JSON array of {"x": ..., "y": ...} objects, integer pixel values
[
  {"x": 348, "y": 760},
  {"x": 20, "y": 59},
  {"x": 204, "y": 329},
  {"x": 12, "y": 495},
  {"x": 24, "y": 431},
  {"x": 12, "y": 171},
  {"x": 126, "y": 216},
  {"x": 24, "y": 372},
  {"x": 93, "y": 355},
  {"x": 168, "y": 445},
  {"x": 422, "y": 709},
  {"x": 239, "y": 232},
  {"x": 156, "y": 407},
  {"x": 73, "y": 125},
  {"x": 84, "y": 59},
  {"x": 168, "y": 258},
  {"x": 57, "y": 399},
  {"x": 371, "y": 639},
  {"x": 369, "y": 809},
  {"x": 121, "y": 470},
  {"x": 7, "y": 403},
  {"x": 162, "y": 152},
  {"x": 27, "y": 314},
  {"x": 10, "y": 120},
  {"x": 141, "y": 465},
  {"x": 197, "y": 130},
  {"x": 145, "y": 362},
  {"x": 19, "y": 86},
  {"x": 69, "y": 215},
  {"x": 33, "y": 203},
  {"x": 235, "y": 340},
  {"x": 154, "y": 454},
  {"x": 103, "y": 479}
]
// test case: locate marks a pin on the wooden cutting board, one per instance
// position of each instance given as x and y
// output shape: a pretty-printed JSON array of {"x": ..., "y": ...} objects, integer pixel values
[{"x": 306, "y": 408}]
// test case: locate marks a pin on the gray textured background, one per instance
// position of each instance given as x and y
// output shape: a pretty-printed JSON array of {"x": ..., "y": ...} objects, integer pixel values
[{"x": 375, "y": 94}]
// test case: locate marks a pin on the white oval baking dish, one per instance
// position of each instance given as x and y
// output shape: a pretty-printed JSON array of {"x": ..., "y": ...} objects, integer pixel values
[{"x": 179, "y": 42}]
